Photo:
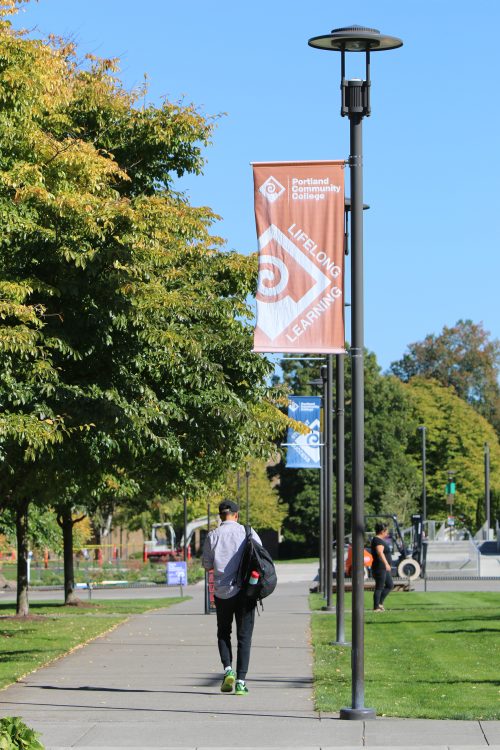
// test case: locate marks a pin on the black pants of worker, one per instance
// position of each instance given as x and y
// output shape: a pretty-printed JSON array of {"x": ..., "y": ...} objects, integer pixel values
[
  {"x": 383, "y": 586},
  {"x": 242, "y": 610}
]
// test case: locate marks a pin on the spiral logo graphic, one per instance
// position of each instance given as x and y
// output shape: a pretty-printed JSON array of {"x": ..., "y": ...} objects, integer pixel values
[
  {"x": 271, "y": 189},
  {"x": 273, "y": 276},
  {"x": 312, "y": 438},
  {"x": 280, "y": 299}
]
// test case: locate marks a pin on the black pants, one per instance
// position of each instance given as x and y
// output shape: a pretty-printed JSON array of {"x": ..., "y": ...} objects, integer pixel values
[
  {"x": 242, "y": 610},
  {"x": 383, "y": 586}
]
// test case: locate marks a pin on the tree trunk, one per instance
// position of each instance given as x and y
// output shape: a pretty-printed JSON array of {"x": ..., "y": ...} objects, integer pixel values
[
  {"x": 106, "y": 529},
  {"x": 22, "y": 604},
  {"x": 66, "y": 522}
]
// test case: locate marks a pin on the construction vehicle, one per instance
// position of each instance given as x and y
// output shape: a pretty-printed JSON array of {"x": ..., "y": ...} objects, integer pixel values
[
  {"x": 162, "y": 546},
  {"x": 197, "y": 523}
]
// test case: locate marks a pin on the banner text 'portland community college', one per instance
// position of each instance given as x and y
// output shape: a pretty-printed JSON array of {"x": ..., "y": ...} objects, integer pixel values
[{"x": 299, "y": 213}]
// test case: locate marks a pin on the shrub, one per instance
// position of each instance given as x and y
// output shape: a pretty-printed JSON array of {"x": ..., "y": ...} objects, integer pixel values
[{"x": 15, "y": 735}]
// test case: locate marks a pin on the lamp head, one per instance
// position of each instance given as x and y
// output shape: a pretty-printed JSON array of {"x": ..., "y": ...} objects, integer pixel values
[
  {"x": 355, "y": 39},
  {"x": 355, "y": 93}
]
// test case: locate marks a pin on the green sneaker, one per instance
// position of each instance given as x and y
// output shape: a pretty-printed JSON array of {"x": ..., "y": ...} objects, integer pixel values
[
  {"x": 228, "y": 682},
  {"x": 241, "y": 688}
]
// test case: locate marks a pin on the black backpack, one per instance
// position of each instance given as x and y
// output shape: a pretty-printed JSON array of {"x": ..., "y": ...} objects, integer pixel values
[{"x": 256, "y": 557}]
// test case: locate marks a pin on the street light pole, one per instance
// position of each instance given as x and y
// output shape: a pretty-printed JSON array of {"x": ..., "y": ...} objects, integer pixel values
[
  {"x": 354, "y": 92},
  {"x": 327, "y": 375},
  {"x": 321, "y": 582},
  {"x": 450, "y": 490},
  {"x": 424, "y": 475},
  {"x": 329, "y": 483},
  {"x": 356, "y": 105},
  {"x": 340, "y": 487},
  {"x": 320, "y": 383},
  {"x": 247, "y": 479},
  {"x": 487, "y": 508},
  {"x": 185, "y": 529},
  {"x": 322, "y": 493},
  {"x": 340, "y": 498}
]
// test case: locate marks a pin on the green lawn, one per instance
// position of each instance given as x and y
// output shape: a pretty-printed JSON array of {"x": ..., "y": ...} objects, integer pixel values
[
  {"x": 53, "y": 629},
  {"x": 430, "y": 655}
]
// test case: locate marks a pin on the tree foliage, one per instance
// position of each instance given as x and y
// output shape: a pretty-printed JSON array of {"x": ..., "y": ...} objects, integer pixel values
[
  {"x": 391, "y": 477},
  {"x": 251, "y": 480},
  {"x": 462, "y": 356},
  {"x": 455, "y": 439},
  {"x": 124, "y": 331},
  {"x": 266, "y": 511}
]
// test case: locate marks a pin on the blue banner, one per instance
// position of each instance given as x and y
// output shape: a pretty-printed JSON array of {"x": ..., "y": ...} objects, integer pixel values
[{"x": 304, "y": 450}]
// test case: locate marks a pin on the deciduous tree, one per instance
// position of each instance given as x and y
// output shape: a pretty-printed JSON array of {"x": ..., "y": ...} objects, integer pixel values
[
  {"x": 462, "y": 356},
  {"x": 455, "y": 437},
  {"x": 125, "y": 320}
]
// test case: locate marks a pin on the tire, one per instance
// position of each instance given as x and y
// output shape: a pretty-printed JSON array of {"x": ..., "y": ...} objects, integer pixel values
[{"x": 409, "y": 568}]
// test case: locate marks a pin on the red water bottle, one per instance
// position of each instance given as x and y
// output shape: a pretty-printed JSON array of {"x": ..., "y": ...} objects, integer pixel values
[{"x": 252, "y": 582}]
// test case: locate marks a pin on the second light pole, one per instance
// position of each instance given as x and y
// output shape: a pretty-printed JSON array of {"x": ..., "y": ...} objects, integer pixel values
[
  {"x": 327, "y": 375},
  {"x": 487, "y": 503},
  {"x": 424, "y": 472},
  {"x": 247, "y": 480}
]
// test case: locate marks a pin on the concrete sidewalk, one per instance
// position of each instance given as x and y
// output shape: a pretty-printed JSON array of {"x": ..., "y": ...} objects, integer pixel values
[{"x": 154, "y": 683}]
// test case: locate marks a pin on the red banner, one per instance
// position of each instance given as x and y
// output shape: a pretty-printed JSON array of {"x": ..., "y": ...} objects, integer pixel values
[{"x": 299, "y": 212}]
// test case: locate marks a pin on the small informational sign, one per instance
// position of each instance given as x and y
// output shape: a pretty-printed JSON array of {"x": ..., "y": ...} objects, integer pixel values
[
  {"x": 176, "y": 573},
  {"x": 451, "y": 521}
]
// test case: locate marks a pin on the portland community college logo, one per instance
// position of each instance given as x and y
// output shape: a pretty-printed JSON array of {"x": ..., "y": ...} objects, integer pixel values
[{"x": 271, "y": 189}]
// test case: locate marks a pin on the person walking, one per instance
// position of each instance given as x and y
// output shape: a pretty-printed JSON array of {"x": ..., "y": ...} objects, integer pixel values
[
  {"x": 381, "y": 567},
  {"x": 222, "y": 552}
]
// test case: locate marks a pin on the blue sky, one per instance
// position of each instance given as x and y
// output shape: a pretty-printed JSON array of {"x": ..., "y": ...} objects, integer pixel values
[{"x": 432, "y": 160}]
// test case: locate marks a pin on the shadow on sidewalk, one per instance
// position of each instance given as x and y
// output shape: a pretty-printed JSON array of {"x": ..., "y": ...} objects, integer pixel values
[
  {"x": 313, "y": 715},
  {"x": 296, "y": 682}
]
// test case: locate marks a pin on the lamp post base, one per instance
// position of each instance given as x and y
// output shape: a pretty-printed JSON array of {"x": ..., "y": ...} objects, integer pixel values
[
  {"x": 340, "y": 643},
  {"x": 327, "y": 608},
  {"x": 357, "y": 714}
]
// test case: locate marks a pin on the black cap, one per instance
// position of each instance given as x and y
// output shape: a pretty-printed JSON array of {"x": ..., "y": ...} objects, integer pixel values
[{"x": 228, "y": 505}]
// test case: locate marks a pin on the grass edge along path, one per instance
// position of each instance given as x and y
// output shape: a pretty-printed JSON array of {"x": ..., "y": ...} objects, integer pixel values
[
  {"x": 53, "y": 631},
  {"x": 431, "y": 655}
]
